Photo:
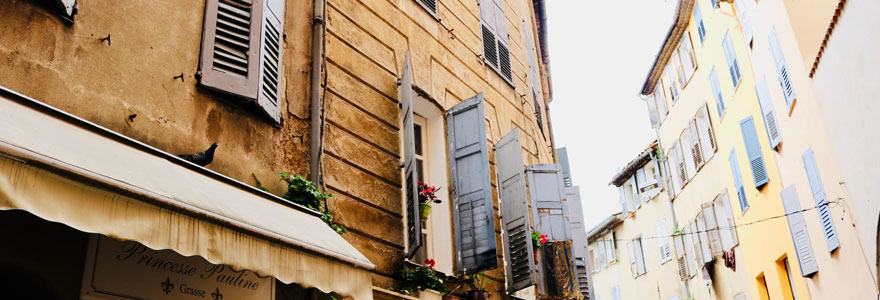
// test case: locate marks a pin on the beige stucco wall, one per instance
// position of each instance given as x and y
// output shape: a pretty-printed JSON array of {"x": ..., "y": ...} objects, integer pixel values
[{"x": 809, "y": 21}]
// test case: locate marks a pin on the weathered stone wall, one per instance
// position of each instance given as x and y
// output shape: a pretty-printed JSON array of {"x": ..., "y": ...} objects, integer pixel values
[
  {"x": 367, "y": 41},
  {"x": 151, "y": 42}
]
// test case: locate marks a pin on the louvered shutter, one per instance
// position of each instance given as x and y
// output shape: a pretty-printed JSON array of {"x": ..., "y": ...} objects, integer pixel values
[
  {"x": 726, "y": 225},
  {"x": 677, "y": 165},
  {"x": 471, "y": 189},
  {"x": 660, "y": 99},
  {"x": 698, "y": 18},
  {"x": 603, "y": 256},
  {"x": 653, "y": 115},
  {"x": 623, "y": 207},
  {"x": 697, "y": 247},
  {"x": 705, "y": 243},
  {"x": 494, "y": 27},
  {"x": 615, "y": 293},
  {"x": 716, "y": 91},
  {"x": 737, "y": 181},
  {"x": 799, "y": 234},
  {"x": 753, "y": 148},
  {"x": 770, "y": 121},
  {"x": 670, "y": 188},
  {"x": 682, "y": 258},
  {"x": 825, "y": 217},
  {"x": 632, "y": 259},
  {"x": 688, "y": 236},
  {"x": 781, "y": 68},
  {"x": 707, "y": 135},
  {"x": 696, "y": 148},
  {"x": 430, "y": 6},
  {"x": 742, "y": 10},
  {"x": 686, "y": 51},
  {"x": 732, "y": 62},
  {"x": 67, "y": 6},
  {"x": 640, "y": 255},
  {"x": 546, "y": 190},
  {"x": 687, "y": 151},
  {"x": 515, "y": 212},
  {"x": 634, "y": 190},
  {"x": 410, "y": 167},
  {"x": 530, "y": 51},
  {"x": 712, "y": 228},
  {"x": 241, "y": 51}
]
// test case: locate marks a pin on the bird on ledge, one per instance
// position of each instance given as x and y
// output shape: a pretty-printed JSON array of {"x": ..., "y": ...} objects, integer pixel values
[{"x": 202, "y": 158}]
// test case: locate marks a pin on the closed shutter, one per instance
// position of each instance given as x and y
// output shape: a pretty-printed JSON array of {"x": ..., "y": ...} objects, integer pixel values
[
  {"x": 732, "y": 62},
  {"x": 737, "y": 182},
  {"x": 682, "y": 258},
  {"x": 707, "y": 135},
  {"x": 430, "y": 6},
  {"x": 653, "y": 115},
  {"x": 781, "y": 69},
  {"x": 705, "y": 243},
  {"x": 825, "y": 218},
  {"x": 603, "y": 257},
  {"x": 716, "y": 91},
  {"x": 660, "y": 99},
  {"x": 770, "y": 120},
  {"x": 696, "y": 147},
  {"x": 701, "y": 27},
  {"x": 753, "y": 148},
  {"x": 410, "y": 167},
  {"x": 494, "y": 27},
  {"x": 515, "y": 212},
  {"x": 673, "y": 85},
  {"x": 471, "y": 189},
  {"x": 663, "y": 241},
  {"x": 241, "y": 51},
  {"x": 726, "y": 225},
  {"x": 713, "y": 231},
  {"x": 799, "y": 234},
  {"x": 615, "y": 293},
  {"x": 546, "y": 190},
  {"x": 742, "y": 10}
]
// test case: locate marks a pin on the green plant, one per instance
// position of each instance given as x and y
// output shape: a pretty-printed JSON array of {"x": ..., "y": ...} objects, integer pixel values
[
  {"x": 477, "y": 281},
  {"x": 420, "y": 278},
  {"x": 538, "y": 240},
  {"x": 304, "y": 192}
]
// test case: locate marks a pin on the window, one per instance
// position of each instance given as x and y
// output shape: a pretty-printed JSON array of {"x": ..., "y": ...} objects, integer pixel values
[
  {"x": 663, "y": 241},
  {"x": 688, "y": 152},
  {"x": 716, "y": 91},
  {"x": 686, "y": 53},
  {"x": 712, "y": 228},
  {"x": 419, "y": 124},
  {"x": 701, "y": 27},
  {"x": 636, "y": 257},
  {"x": 781, "y": 69},
  {"x": 611, "y": 248},
  {"x": 533, "y": 75},
  {"x": 648, "y": 179},
  {"x": 241, "y": 55},
  {"x": 732, "y": 63},
  {"x": 495, "y": 47},
  {"x": 629, "y": 196},
  {"x": 703, "y": 233},
  {"x": 737, "y": 182},
  {"x": 753, "y": 148},
  {"x": 603, "y": 257},
  {"x": 787, "y": 284},
  {"x": 679, "y": 69},
  {"x": 430, "y": 6},
  {"x": 763, "y": 292}
]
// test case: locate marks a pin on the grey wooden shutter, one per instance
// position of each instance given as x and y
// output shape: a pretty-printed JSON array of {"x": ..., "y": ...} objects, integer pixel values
[
  {"x": 547, "y": 191},
  {"x": 494, "y": 27},
  {"x": 781, "y": 68},
  {"x": 471, "y": 189},
  {"x": 753, "y": 148},
  {"x": 515, "y": 212},
  {"x": 410, "y": 167},
  {"x": 770, "y": 121},
  {"x": 241, "y": 51},
  {"x": 825, "y": 218},
  {"x": 799, "y": 234}
]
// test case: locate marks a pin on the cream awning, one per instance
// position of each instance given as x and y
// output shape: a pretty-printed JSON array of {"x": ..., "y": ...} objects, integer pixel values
[{"x": 64, "y": 169}]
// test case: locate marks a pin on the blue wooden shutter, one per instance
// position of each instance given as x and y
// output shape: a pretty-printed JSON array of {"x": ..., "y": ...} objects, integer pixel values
[
  {"x": 547, "y": 192},
  {"x": 753, "y": 148},
  {"x": 825, "y": 218},
  {"x": 737, "y": 181},
  {"x": 770, "y": 121},
  {"x": 410, "y": 167},
  {"x": 716, "y": 91},
  {"x": 517, "y": 237},
  {"x": 799, "y": 234},
  {"x": 781, "y": 68},
  {"x": 471, "y": 189},
  {"x": 732, "y": 62}
]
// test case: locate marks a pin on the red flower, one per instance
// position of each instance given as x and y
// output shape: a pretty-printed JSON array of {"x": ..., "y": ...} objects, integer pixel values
[
  {"x": 543, "y": 239},
  {"x": 429, "y": 263}
]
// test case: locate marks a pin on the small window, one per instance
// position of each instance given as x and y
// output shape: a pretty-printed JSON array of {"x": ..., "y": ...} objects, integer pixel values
[{"x": 732, "y": 62}]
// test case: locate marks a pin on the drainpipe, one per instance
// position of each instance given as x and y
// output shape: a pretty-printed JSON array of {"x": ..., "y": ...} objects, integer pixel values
[{"x": 316, "y": 125}]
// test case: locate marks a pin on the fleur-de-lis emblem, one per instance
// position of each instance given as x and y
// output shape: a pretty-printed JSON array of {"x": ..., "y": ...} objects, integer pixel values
[
  {"x": 167, "y": 286},
  {"x": 216, "y": 295}
]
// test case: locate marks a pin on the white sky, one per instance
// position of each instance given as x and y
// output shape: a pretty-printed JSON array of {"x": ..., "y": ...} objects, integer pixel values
[{"x": 600, "y": 54}]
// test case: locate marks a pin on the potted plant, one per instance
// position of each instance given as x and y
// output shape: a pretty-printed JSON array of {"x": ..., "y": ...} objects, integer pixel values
[
  {"x": 427, "y": 196},
  {"x": 421, "y": 277},
  {"x": 538, "y": 240},
  {"x": 478, "y": 287}
]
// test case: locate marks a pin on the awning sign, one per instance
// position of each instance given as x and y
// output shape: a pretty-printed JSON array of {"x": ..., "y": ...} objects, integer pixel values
[{"x": 129, "y": 270}]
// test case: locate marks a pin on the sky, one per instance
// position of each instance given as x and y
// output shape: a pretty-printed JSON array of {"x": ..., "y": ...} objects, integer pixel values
[{"x": 600, "y": 54}]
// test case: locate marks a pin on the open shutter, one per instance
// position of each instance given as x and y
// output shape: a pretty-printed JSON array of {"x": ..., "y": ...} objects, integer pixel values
[
  {"x": 687, "y": 152},
  {"x": 612, "y": 247},
  {"x": 716, "y": 91},
  {"x": 825, "y": 217},
  {"x": 410, "y": 167},
  {"x": 623, "y": 207},
  {"x": 726, "y": 225},
  {"x": 698, "y": 18},
  {"x": 634, "y": 191},
  {"x": 639, "y": 251},
  {"x": 688, "y": 61},
  {"x": 696, "y": 148},
  {"x": 471, "y": 189},
  {"x": 660, "y": 100},
  {"x": 682, "y": 256},
  {"x": 706, "y": 134},
  {"x": 732, "y": 62},
  {"x": 753, "y": 148},
  {"x": 652, "y": 112},
  {"x": 677, "y": 167},
  {"x": 269, "y": 97},
  {"x": 547, "y": 192},
  {"x": 670, "y": 189},
  {"x": 737, "y": 181},
  {"x": 742, "y": 10},
  {"x": 712, "y": 229},
  {"x": 799, "y": 234},
  {"x": 67, "y": 7},
  {"x": 697, "y": 247},
  {"x": 781, "y": 68},
  {"x": 494, "y": 27},
  {"x": 690, "y": 255},
  {"x": 767, "y": 110},
  {"x": 705, "y": 242},
  {"x": 515, "y": 212}
]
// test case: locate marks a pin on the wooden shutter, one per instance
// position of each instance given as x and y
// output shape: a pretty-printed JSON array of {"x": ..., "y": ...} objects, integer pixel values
[
  {"x": 530, "y": 52},
  {"x": 623, "y": 207},
  {"x": 770, "y": 121},
  {"x": 732, "y": 62},
  {"x": 603, "y": 256},
  {"x": 716, "y": 91},
  {"x": 670, "y": 188},
  {"x": 660, "y": 99},
  {"x": 653, "y": 115},
  {"x": 726, "y": 225},
  {"x": 687, "y": 152},
  {"x": 706, "y": 134},
  {"x": 698, "y": 18},
  {"x": 825, "y": 217},
  {"x": 640, "y": 255},
  {"x": 634, "y": 191},
  {"x": 697, "y": 247},
  {"x": 663, "y": 241},
  {"x": 615, "y": 292},
  {"x": 632, "y": 259},
  {"x": 799, "y": 234},
  {"x": 430, "y": 6},
  {"x": 705, "y": 243},
  {"x": 686, "y": 51},
  {"x": 494, "y": 27},
  {"x": 688, "y": 239},
  {"x": 742, "y": 10},
  {"x": 410, "y": 167},
  {"x": 471, "y": 189},
  {"x": 612, "y": 247},
  {"x": 753, "y": 148},
  {"x": 737, "y": 181},
  {"x": 696, "y": 147},
  {"x": 546, "y": 190},
  {"x": 712, "y": 228},
  {"x": 241, "y": 51},
  {"x": 677, "y": 165},
  {"x": 67, "y": 7},
  {"x": 781, "y": 68},
  {"x": 515, "y": 212}
]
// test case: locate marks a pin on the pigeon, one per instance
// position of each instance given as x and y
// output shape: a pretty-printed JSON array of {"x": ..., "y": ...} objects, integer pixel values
[{"x": 202, "y": 158}]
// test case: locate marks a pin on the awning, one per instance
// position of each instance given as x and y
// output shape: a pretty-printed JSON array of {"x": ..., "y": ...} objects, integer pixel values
[{"x": 68, "y": 170}]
